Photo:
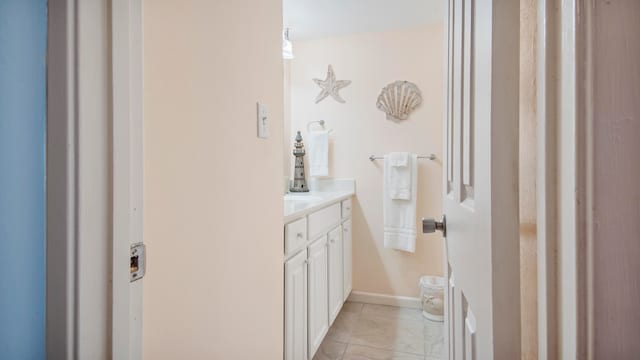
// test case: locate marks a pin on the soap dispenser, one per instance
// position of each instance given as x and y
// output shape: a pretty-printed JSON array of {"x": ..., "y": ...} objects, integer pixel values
[{"x": 299, "y": 181}]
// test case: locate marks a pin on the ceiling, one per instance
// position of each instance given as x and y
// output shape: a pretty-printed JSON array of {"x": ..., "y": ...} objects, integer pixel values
[{"x": 310, "y": 19}]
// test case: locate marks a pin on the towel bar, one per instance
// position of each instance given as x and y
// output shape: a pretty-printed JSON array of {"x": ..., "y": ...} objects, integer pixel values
[{"x": 430, "y": 157}]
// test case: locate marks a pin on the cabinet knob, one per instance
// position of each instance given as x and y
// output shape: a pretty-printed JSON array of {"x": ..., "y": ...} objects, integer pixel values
[{"x": 300, "y": 235}]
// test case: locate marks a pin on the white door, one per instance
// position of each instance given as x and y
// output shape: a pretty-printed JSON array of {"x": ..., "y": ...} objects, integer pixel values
[
  {"x": 481, "y": 180},
  {"x": 295, "y": 312},
  {"x": 335, "y": 273},
  {"x": 318, "y": 294},
  {"x": 347, "y": 246}
]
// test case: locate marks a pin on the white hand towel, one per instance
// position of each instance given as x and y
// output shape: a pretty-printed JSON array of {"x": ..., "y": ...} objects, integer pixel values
[
  {"x": 318, "y": 145},
  {"x": 400, "y": 215},
  {"x": 398, "y": 175}
]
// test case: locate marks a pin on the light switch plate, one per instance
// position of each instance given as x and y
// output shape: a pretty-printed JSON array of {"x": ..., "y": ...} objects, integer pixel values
[{"x": 263, "y": 124}]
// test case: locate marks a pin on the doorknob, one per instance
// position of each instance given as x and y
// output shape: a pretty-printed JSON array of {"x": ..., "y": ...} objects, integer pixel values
[{"x": 430, "y": 225}]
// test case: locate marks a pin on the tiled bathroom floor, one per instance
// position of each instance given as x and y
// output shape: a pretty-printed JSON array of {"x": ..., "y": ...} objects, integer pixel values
[{"x": 379, "y": 332}]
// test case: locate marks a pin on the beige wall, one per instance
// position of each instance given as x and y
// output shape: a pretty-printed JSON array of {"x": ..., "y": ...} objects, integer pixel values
[
  {"x": 528, "y": 245},
  {"x": 371, "y": 61},
  {"x": 213, "y": 193}
]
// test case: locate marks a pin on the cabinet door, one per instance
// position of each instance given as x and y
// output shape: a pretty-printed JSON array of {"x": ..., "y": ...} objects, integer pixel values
[
  {"x": 295, "y": 307},
  {"x": 318, "y": 294},
  {"x": 347, "y": 246},
  {"x": 336, "y": 296}
]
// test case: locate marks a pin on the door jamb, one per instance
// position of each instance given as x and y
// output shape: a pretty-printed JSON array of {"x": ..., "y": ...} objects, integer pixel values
[
  {"x": 61, "y": 194},
  {"x": 547, "y": 174},
  {"x": 127, "y": 165},
  {"x": 93, "y": 92},
  {"x": 564, "y": 179}
]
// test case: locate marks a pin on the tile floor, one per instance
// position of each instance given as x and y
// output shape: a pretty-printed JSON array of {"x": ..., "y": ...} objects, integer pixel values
[{"x": 379, "y": 332}]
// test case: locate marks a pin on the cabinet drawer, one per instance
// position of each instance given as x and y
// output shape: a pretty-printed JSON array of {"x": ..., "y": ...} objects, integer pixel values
[
  {"x": 295, "y": 235},
  {"x": 346, "y": 208},
  {"x": 322, "y": 220}
]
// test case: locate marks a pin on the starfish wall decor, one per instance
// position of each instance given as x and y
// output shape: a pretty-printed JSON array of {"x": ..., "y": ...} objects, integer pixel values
[{"x": 331, "y": 86}]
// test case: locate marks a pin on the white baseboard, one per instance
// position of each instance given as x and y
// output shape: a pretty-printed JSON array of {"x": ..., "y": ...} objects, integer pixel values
[{"x": 381, "y": 299}]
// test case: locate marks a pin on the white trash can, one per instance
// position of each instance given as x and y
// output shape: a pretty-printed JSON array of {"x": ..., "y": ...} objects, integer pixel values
[{"x": 432, "y": 297}]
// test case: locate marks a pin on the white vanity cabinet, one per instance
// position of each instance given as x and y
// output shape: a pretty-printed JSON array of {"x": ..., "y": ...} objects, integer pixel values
[
  {"x": 318, "y": 294},
  {"x": 318, "y": 250},
  {"x": 336, "y": 273},
  {"x": 295, "y": 237},
  {"x": 347, "y": 256},
  {"x": 295, "y": 315},
  {"x": 346, "y": 209}
]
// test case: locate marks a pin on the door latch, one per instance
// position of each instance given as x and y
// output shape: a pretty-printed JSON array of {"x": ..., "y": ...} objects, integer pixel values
[
  {"x": 430, "y": 225},
  {"x": 138, "y": 261}
]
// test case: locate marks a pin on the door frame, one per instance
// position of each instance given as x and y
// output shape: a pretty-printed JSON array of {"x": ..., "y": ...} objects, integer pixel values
[
  {"x": 128, "y": 174},
  {"x": 92, "y": 88},
  {"x": 547, "y": 174},
  {"x": 564, "y": 179},
  {"x": 61, "y": 240}
]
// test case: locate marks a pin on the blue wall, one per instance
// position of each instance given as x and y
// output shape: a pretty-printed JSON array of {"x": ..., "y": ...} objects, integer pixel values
[{"x": 23, "y": 38}]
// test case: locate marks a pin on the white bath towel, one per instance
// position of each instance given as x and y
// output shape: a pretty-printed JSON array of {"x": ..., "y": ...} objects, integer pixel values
[
  {"x": 318, "y": 145},
  {"x": 398, "y": 174},
  {"x": 400, "y": 214}
]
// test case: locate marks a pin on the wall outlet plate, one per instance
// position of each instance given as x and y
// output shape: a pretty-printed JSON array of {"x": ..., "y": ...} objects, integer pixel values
[{"x": 263, "y": 124}]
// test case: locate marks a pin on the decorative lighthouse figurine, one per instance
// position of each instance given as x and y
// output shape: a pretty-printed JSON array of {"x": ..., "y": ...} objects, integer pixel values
[{"x": 299, "y": 181}]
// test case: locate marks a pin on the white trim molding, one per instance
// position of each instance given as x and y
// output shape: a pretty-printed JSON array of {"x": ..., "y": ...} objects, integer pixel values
[
  {"x": 89, "y": 86},
  {"x": 127, "y": 172},
  {"x": 563, "y": 178},
  {"x": 381, "y": 299},
  {"x": 547, "y": 177},
  {"x": 573, "y": 128},
  {"x": 61, "y": 213}
]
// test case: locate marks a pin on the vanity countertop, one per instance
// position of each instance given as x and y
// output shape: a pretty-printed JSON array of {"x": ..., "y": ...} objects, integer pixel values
[{"x": 297, "y": 205}]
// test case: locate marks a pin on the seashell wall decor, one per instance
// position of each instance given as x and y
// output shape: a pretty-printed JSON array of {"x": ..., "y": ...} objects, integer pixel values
[{"x": 399, "y": 99}]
